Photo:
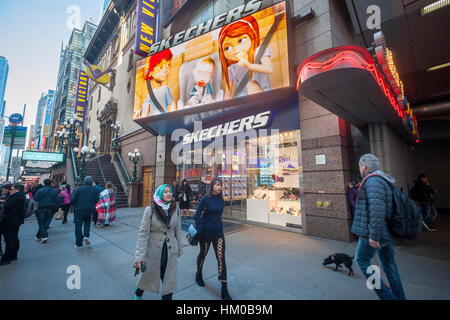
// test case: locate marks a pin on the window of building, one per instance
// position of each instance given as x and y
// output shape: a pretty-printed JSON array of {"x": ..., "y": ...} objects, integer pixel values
[
  {"x": 130, "y": 61},
  {"x": 213, "y": 8},
  {"x": 99, "y": 93}
]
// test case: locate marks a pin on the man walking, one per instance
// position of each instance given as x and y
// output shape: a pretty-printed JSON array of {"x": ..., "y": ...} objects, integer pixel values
[
  {"x": 14, "y": 212},
  {"x": 374, "y": 205},
  {"x": 48, "y": 200},
  {"x": 422, "y": 192},
  {"x": 84, "y": 200}
]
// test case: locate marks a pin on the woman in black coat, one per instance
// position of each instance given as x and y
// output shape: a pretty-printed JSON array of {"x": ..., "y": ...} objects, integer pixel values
[{"x": 185, "y": 197}]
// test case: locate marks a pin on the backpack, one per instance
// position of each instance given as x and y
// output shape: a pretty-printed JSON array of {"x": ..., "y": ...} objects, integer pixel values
[{"x": 406, "y": 220}]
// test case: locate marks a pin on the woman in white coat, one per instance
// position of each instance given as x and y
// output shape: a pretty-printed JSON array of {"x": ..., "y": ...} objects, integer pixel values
[{"x": 159, "y": 245}]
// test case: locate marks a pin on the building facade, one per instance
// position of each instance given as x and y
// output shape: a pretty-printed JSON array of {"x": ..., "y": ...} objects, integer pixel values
[
  {"x": 71, "y": 60},
  {"x": 294, "y": 172},
  {"x": 39, "y": 116}
]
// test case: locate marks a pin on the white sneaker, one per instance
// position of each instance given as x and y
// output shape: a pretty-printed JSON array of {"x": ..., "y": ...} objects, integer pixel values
[
  {"x": 37, "y": 239},
  {"x": 78, "y": 248},
  {"x": 44, "y": 240},
  {"x": 87, "y": 242}
]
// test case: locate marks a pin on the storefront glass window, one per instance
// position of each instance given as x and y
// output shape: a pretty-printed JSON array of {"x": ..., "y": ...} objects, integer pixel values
[{"x": 261, "y": 181}]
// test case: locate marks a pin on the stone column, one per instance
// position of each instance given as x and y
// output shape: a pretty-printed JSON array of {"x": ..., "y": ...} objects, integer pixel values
[
  {"x": 325, "y": 137},
  {"x": 133, "y": 194},
  {"x": 165, "y": 169}
]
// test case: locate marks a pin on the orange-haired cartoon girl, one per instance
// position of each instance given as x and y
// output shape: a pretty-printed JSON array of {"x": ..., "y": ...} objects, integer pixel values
[
  {"x": 238, "y": 45},
  {"x": 158, "y": 73}
]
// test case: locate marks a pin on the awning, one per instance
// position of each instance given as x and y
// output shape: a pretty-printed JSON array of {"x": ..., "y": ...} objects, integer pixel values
[{"x": 346, "y": 81}]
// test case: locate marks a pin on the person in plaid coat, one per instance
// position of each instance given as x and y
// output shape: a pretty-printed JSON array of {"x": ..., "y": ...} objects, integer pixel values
[{"x": 106, "y": 207}]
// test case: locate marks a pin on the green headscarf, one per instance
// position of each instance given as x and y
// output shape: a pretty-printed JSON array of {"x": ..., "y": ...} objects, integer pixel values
[{"x": 159, "y": 196}]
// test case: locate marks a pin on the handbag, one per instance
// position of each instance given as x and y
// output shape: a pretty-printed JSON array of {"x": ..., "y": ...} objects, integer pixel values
[
  {"x": 193, "y": 235},
  {"x": 59, "y": 215}
]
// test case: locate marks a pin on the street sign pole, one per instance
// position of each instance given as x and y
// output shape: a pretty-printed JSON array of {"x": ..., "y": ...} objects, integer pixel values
[
  {"x": 11, "y": 151},
  {"x": 15, "y": 119}
]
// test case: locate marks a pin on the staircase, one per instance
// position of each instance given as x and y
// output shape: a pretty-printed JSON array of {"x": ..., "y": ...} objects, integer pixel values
[{"x": 110, "y": 173}]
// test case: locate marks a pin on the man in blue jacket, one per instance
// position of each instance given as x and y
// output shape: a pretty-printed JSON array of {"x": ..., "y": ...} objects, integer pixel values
[
  {"x": 48, "y": 200},
  {"x": 84, "y": 199},
  {"x": 374, "y": 205}
]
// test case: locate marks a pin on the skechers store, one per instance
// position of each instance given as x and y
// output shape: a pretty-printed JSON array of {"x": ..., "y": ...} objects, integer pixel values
[{"x": 224, "y": 92}]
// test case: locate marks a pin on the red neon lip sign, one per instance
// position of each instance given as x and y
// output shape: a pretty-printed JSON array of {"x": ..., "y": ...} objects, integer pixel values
[{"x": 346, "y": 57}]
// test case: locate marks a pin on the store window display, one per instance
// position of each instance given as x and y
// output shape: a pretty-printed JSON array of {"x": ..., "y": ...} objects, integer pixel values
[{"x": 262, "y": 185}]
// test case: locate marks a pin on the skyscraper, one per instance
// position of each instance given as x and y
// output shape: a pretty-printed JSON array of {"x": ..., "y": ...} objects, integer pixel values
[
  {"x": 71, "y": 60},
  {"x": 39, "y": 116},
  {"x": 4, "y": 69},
  {"x": 105, "y": 5}
]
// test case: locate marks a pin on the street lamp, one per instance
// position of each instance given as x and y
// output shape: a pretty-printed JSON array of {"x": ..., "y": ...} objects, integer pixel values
[
  {"x": 115, "y": 128},
  {"x": 84, "y": 152},
  {"x": 134, "y": 157},
  {"x": 92, "y": 142},
  {"x": 73, "y": 124}
]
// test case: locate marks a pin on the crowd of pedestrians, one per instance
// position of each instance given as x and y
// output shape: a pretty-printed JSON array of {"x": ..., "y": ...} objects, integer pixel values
[
  {"x": 159, "y": 243},
  {"x": 19, "y": 201}
]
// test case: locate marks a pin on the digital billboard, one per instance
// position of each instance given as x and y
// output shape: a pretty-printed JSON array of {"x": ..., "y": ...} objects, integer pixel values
[
  {"x": 48, "y": 113},
  {"x": 239, "y": 53}
]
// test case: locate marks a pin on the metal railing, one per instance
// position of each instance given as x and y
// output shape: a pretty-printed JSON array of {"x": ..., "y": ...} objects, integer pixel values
[
  {"x": 101, "y": 170},
  {"x": 74, "y": 165},
  {"x": 123, "y": 170}
]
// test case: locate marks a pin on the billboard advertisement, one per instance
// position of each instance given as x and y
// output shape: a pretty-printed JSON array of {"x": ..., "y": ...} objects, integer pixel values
[
  {"x": 48, "y": 113},
  {"x": 147, "y": 12},
  {"x": 19, "y": 138},
  {"x": 236, "y": 54},
  {"x": 81, "y": 96}
]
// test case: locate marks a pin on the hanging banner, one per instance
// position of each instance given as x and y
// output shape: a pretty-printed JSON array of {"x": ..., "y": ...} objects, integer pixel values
[
  {"x": 147, "y": 12},
  {"x": 81, "y": 95}
]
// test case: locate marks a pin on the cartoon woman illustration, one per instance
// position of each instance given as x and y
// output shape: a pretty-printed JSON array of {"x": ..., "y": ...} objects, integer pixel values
[
  {"x": 158, "y": 73},
  {"x": 239, "y": 43}
]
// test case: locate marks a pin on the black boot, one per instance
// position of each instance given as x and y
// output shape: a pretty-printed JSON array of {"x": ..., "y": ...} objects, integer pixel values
[
  {"x": 224, "y": 292},
  {"x": 167, "y": 297},
  {"x": 199, "y": 279}
]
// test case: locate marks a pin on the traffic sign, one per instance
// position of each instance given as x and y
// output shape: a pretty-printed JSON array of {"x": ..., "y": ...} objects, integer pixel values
[{"x": 15, "y": 119}]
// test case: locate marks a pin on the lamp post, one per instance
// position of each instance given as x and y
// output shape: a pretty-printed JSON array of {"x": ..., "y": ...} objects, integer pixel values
[
  {"x": 115, "y": 128},
  {"x": 84, "y": 152},
  {"x": 61, "y": 136},
  {"x": 92, "y": 142},
  {"x": 73, "y": 124},
  {"x": 134, "y": 157}
]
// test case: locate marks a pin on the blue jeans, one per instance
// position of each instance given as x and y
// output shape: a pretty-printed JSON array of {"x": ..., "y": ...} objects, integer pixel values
[
  {"x": 429, "y": 212},
  {"x": 364, "y": 253},
  {"x": 49, "y": 219},
  {"x": 43, "y": 216},
  {"x": 80, "y": 219}
]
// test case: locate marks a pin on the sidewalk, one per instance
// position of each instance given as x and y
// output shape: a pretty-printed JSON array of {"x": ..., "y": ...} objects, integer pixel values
[{"x": 262, "y": 263}]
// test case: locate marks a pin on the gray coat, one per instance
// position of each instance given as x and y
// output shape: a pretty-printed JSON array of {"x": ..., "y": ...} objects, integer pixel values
[
  {"x": 149, "y": 245},
  {"x": 375, "y": 204}
]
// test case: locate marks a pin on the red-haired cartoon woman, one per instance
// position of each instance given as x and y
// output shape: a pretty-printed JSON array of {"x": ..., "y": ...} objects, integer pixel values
[
  {"x": 158, "y": 73},
  {"x": 238, "y": 46}
]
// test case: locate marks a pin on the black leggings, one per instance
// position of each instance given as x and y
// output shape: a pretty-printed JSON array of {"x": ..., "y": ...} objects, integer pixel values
[
  {"x": 218, "y": 242},
  {"x": 66, "y": 208}
]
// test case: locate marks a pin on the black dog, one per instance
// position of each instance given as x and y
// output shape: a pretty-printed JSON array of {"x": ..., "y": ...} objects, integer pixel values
[{"x": 338, "y": 259}]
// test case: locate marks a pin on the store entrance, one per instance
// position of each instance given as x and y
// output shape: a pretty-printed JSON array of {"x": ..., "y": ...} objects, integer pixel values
[{"x": 261, "y": 178}]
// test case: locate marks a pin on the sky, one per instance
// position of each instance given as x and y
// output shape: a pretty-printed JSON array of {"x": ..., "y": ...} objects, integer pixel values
[{"x": 31, "y": 34}]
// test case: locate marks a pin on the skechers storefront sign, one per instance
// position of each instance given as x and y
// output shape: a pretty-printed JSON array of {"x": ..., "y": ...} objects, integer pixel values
[{"x": 240, "y": 125}]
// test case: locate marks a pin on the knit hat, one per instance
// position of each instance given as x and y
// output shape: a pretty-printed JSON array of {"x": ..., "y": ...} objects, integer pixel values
[{"x": 88, "y": 180}]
